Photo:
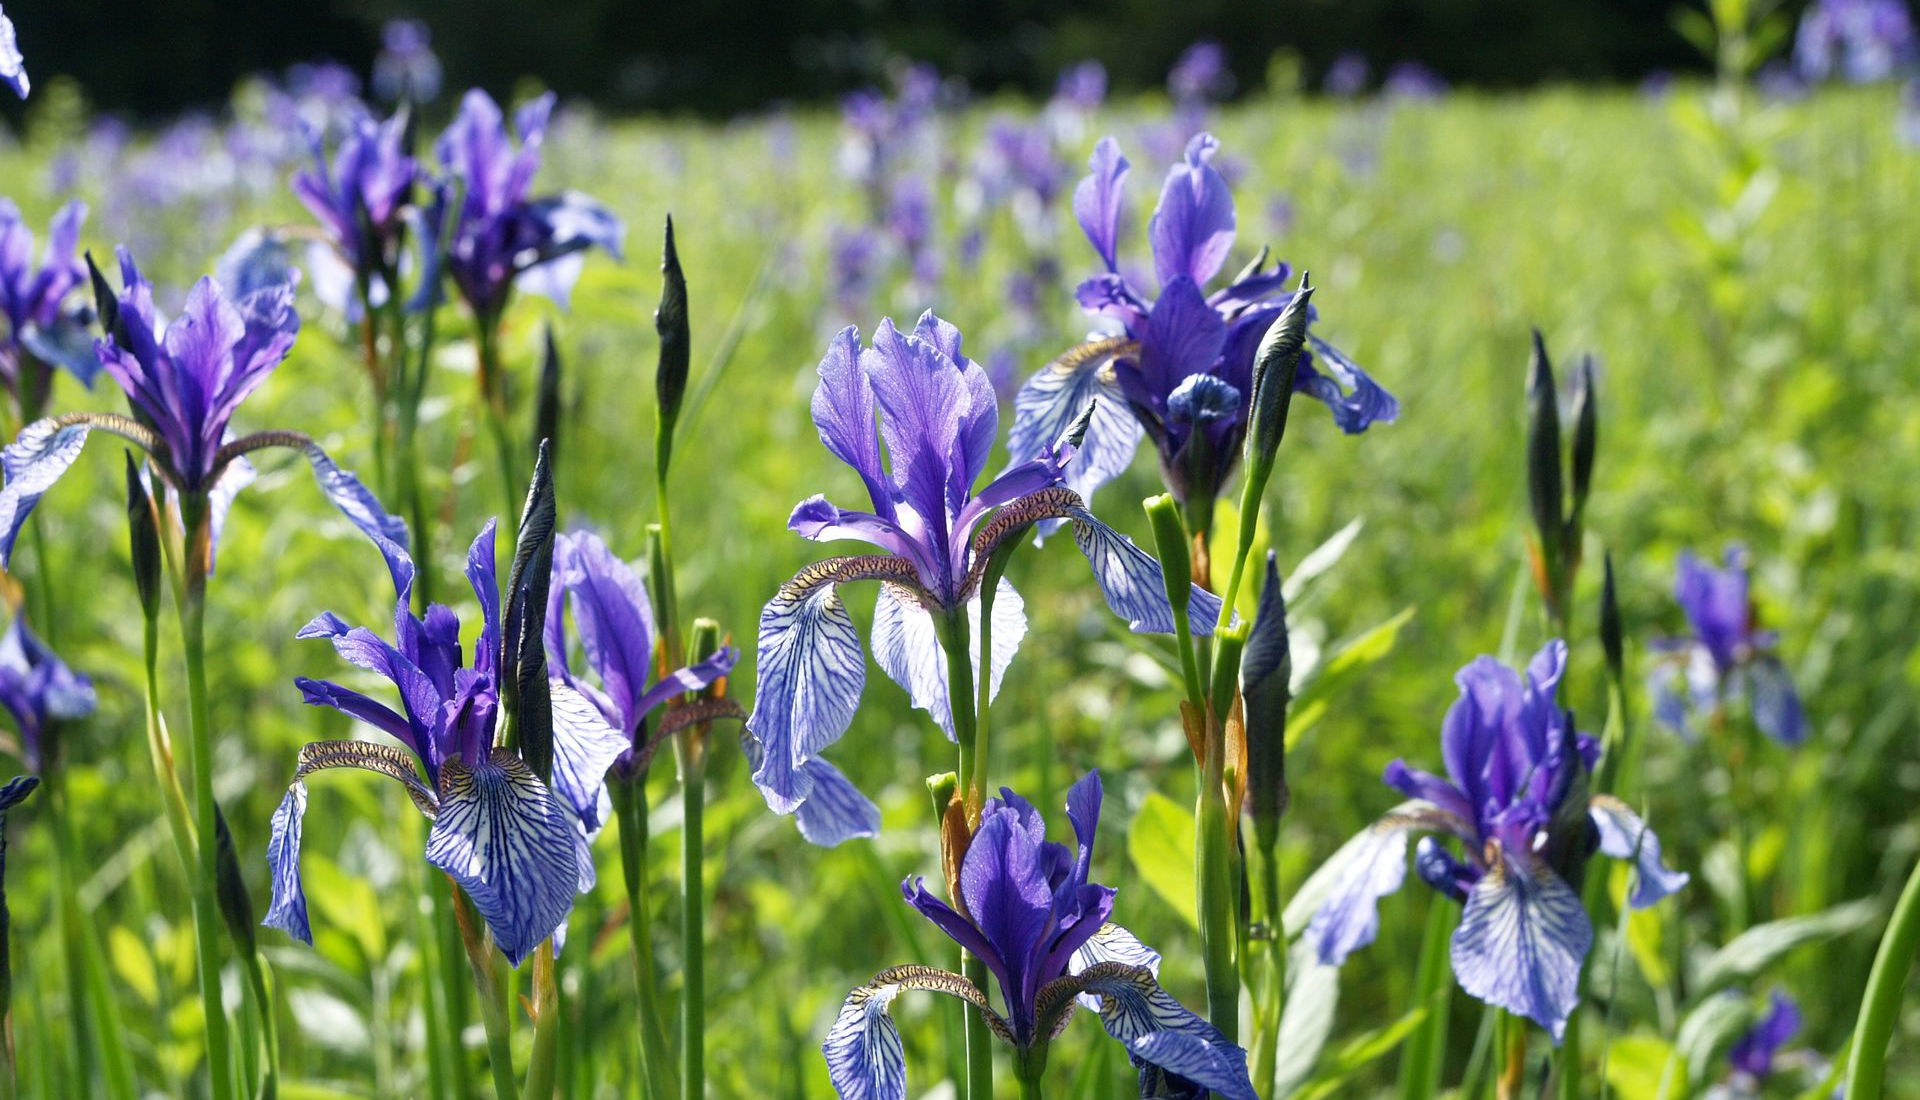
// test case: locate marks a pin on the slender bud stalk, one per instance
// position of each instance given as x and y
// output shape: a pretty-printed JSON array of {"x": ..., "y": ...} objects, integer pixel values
[{"x": 656, "y": 1062}]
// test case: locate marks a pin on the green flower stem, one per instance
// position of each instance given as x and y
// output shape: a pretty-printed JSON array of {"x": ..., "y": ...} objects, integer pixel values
[
  {"x": 1512, "y": 1040},
  {"x": 493, "y": 398},
  {"x": 692, "y": 757},
  {"x": 95, "y": 1011},
  {"x": 1030, "y": 1066},
  {"x": 546, "y": 1026},
  {"x": 1880, "y": 1006},
  {"x": 1426, "y": 1048},
  {"x": 656, "y": 1063},
  {"x": 1266, "y": 960},
  {"x": 1218, "y": 898},
  {"x": 206, "y": 914},
  {"x": 954, "y": 639},
  {"x": 451, "y": 989},
  {"x": 490, "y": 979}
]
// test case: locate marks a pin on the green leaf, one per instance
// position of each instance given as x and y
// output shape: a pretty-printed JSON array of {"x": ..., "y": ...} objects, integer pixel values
[
  {"x": 1635, "y": 1064},
  {"x": 134, "y": 963},
  {"x": 1313, "y": 992},
  {"x": 1322, "y": 558},
  {"x": 1761, "y": 946},
  {"x": 1342, "y": 669},
  {"x": 1361, "y": 1051},
  {"x": 1160, "y": 840}
]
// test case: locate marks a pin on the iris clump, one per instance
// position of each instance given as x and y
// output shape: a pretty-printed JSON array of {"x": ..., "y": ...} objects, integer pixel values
[
  {"x": 361, "y": 200},
  {"x": 937, "y": 419},
  {"x": 1727, "y": 657},
  {"x": 1028, "y": 908},
  {"x": 1515, "y": 798},
  {"x": 511, "y": 842},
  {"x": 45, "y": 330},
  {"x": 1179, "y": 368}
]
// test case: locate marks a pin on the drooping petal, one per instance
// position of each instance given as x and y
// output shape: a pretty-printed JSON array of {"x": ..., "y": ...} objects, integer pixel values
[
  {"x": 811, "y": 670},
  {"x": 1372, "y": 865},
  {"x": 1058, "y": 394},
  {"x": 1624, "y": 836},
  {"x": 1774, "y": 702},
  {"x": 1099, "y": 198},
  {"x": 364, "y": 511},
  {"x": 220, "y": 497},
  {"x": 1522, "y": 941},
  {"x": 510, "y": 845},
  {"x": 1131, "y": 580},
  {"x": 1355, "y": 399},
  {"x": 1192, "y": 227},
  {"x": 906, "y": 645},
  {"x": 1160, "y": 1031},
  {"x": 1112, "y": 944},
  {"x": 865, "y": 1059},
  {"x": 835, "y": 810},
  {"x": 288, "y": 910},
  {"x": 612, "y": 616},
  {"x": 584, "y": 747},
  {"x": 32, "y": 463}
]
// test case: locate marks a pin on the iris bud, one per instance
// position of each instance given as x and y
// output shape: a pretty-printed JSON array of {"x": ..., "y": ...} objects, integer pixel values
[
  {"x": 670, "y": 321},
  {"x": 1274, "y": 366},
  {"x": 1266, "y": 673},
  {"x": 524, "y": 694}
]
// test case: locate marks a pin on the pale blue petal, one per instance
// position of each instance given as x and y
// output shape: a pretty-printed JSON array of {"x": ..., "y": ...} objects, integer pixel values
[
  {"x": 865, "y": 1058},
  {"x": 811, "y": 669},
  {"x": 364, "y": 511},
  {"x": 1131, "y": 580},
  {"x": 1372, "y": 865},
  {"x": 31, "y": 464},
  {"x": 1115, "y": 944},
  {"x": 1054, "y": 398},
  {"x": 1774, "y": 702},
  {"x": 836, "y": 810},
  {"x": 510, "y": 845},
  {"x": 288, "y": 911},
  {"x": 1624, "y": 836},
  {"x": 906, "y": 645},
  {"x": 1522, "y": 941},
  {"x": 1160, "y": 1031},
  {"x": 584, "y": 747}
]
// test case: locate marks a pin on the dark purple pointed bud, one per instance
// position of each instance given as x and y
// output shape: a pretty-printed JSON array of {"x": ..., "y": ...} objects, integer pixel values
[
  {"x": 1586, "y": 437},
  {"x": 670, "y": 321},
  {"x": 230, "y": 886},
  {"x": 144, "y": 534},
  {"x": 1266, "y": 670},
  {"x": 1543, "y": 455},
  {"x": 106, "y": 304},
  {"x": 524, "y": 694},
  {"x": 546, "y": 410}
]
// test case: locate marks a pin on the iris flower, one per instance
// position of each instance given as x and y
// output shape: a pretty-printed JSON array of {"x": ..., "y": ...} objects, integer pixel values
[
  {"x": 500, "y": 232},
  {"x": 39, "y": 690},
  {"x": 1029, "y": 911},
  {"x": 1727, "y": 656},
  {"x": 1862, "y": 41},
  {"x": 1515, "y": 796},
  {"x": 361, "y": 198},
  {"x": 1180, "y": 369},
  {"x": 614, "y": 621},
  {"x": 185, "y": 383},
  {"x": 44, "y": 330},
  {"x": 498, "y": 830},
  {"x": 938, "y": 418},
  {"x": 1754, "y": 1052}
]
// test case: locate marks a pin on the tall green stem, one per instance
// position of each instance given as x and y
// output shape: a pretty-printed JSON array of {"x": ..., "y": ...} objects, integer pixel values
[
  {"x": 490, "y": 980},
  {"x": 91, "y": 994},
  {"x": 1425, "y": 1057},
  {"x": 486, "y": 335},
  {"x": 1268, "y": 964},
  {"x": 1213, "y": 862},
  {"x": 1880, "y": 1006},
  {"x": 693, "y": 917},
  {"x": 206, "y": 914},
  {"x": 656, "y": 1063},
  {"x": 954, "y": 639}
]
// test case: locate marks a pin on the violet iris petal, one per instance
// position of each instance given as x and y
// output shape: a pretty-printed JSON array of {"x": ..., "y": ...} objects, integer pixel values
[{"x": 1726, "y": 656}]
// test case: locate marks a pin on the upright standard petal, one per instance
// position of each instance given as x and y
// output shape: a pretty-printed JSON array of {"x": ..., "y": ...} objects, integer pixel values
[
  {"x": 1624, "y": 836},
  {"x": 1521, "y": 943},
  {"x": 1184, "y": 337},
  {"x": 32, "y": 463},
  {"x": 1192, "y": 228},
  {"x": 811, "y": 671},
  {"x": 906, "y": 646},
  {"x": 510, "y": 845},
  {"x": 1004, "y": 884},
  {"x": 924, "y": 402},
  {"x": 843, "y": 413},
  {"x": 1099, "y": 198},
  {"x": 611, "y": 615},
  {"x": 288, "y": 910}
]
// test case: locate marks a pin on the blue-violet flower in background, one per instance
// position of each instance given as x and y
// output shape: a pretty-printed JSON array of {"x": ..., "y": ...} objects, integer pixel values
[
  {"x": 1727, "y": 657},
  {"x": 1180, "y": 369},
  {"x": 1030, "y": 912},
  {"x": 44, "y": 329},
  {"x": 1515, "y": 796},
  {"x": 938, "y": 418},
  {"x": 13, "y": 67},
  {"x": 39, "y": 691}
]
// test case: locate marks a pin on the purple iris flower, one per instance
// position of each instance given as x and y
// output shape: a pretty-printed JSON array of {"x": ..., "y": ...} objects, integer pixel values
[
  {"x": 44, "y": 330},
  {"x": 1861, "y": 41},
  {"x": 1515, "y": 797},
  {"x": 1200, "y": 75},
  {"x": 500, "y": 233},
  {"x": 13, "y": 67},
  {"x": 1347, "y": 76},
  {"x": 1082, "y": 86},
  {"x": 614, "y": 621},
  {"x": 1041, "y": 926},
  {"x": 1181, "y": 366},
  {"x": 39, "y": 690},
  {"x": 1727, "y": 656},
  {"x": 515, "y": 846},
  {"x": 185, "y": 381},
  {"x": 1754, "y": 1052},
  {"x": 1411, "y": 80},
  {"x": 362, "y": 198},
  {"x": 938, "y": 419},
  {"x": 406, "y": 68}
]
